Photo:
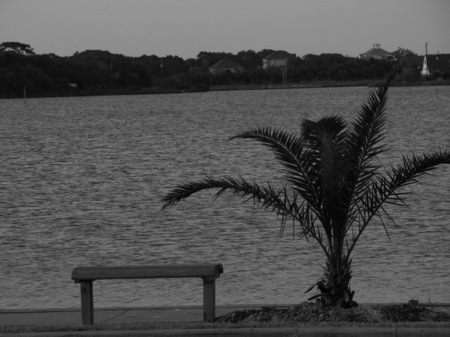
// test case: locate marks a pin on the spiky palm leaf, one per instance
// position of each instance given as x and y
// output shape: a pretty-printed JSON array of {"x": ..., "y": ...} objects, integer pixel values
[{"x": 334, "y": 189}]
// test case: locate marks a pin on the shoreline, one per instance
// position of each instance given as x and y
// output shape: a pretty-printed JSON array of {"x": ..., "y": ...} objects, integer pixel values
[
  {"x": 233, "y": 87},
  {"x": 327, "y": 84}
]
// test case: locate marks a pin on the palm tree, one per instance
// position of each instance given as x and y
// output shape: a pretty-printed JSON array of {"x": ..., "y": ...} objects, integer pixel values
[{"x": 334, "y": 185}]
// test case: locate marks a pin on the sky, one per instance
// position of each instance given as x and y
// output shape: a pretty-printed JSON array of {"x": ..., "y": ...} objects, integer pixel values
[{"x": 186, "y": 27}]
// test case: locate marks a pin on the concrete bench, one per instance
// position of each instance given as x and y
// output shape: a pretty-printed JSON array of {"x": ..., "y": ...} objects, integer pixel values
[{"x": 86, "y": 275}]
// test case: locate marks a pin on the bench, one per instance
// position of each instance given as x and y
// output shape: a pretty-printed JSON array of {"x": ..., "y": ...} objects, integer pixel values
[{"x": 86, "y": 275}]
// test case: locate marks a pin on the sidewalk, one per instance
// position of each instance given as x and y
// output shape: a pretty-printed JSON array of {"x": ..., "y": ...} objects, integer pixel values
[
  {"x": 186, "y": 314},
  {"x": 111, "y": 316}
]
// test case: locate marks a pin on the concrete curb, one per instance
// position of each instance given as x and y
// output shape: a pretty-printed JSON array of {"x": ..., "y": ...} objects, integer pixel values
[{"x": 254, "y": 332}]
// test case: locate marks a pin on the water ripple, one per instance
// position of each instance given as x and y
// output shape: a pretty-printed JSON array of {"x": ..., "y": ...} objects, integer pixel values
[{"x": 81, "y": 181}]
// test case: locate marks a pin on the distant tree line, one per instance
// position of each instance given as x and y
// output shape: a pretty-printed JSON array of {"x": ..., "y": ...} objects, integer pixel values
[{"x": 101, "y": 72}]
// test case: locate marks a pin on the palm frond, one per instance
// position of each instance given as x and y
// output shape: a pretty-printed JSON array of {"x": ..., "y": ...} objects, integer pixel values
[
  {"x": 286, "y": 204},
  {"x": 299, "y": 162},
  {"x": 384, "y": 189},
  {"x": 265, "y": 197},
  {"x": 312, "y": 132},
  {"x": 365, "y": 138}
]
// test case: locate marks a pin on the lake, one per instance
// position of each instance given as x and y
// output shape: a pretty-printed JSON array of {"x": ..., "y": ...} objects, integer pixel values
[{"x": 81, "y": 180}]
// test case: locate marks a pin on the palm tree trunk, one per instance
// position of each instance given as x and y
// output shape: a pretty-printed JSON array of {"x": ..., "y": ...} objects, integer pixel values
[{"x": 335, "y": 285}]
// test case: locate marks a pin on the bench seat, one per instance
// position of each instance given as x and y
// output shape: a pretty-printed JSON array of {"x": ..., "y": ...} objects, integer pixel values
[
  {"x": 86, "y": 275},
  {"x": 150, "y": 271}
]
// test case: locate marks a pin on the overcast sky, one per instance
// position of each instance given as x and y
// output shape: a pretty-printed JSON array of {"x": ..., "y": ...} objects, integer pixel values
[{"x": 186, "y": 27}]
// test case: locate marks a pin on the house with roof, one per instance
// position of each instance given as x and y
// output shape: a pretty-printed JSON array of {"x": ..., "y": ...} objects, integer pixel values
[
  {"x": 225, "y": 65},
  {"x": 377, "y": 53},
  {"x": 438, "y": 64},
  {"x": 278, "y": 58}
]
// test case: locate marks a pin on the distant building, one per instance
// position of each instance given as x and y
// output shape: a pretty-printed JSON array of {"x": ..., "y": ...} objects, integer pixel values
[
  {"x": 377, "y": 53},
  {"x": 425, "y": 71},
  {"x": 429, "y": 64},
  {"x": 278, "y": 58},
  {"x": 438, "y": 64},
  {"x": 225, "y": 65}
]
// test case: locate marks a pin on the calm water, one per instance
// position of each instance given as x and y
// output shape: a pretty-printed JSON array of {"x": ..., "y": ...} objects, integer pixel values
[{"x": 81, "y": 179}]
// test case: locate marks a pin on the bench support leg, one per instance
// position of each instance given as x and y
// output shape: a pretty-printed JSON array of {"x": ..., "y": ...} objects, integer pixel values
[
  {"x": 87, "y": 302},
  {"x": 209, "y": 299}
]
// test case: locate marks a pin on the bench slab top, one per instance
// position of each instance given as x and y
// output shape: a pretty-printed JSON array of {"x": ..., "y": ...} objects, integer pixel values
[{"x": 90, "y": 273}]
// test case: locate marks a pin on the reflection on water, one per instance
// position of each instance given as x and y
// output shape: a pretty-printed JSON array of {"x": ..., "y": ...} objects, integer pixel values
[{"x": 81, "y": 179}]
